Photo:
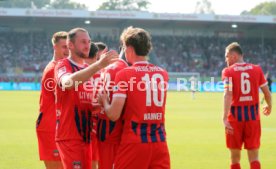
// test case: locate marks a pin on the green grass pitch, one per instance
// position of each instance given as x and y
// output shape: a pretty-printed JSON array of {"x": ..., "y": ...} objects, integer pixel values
[{"x": 194, "y": 131}]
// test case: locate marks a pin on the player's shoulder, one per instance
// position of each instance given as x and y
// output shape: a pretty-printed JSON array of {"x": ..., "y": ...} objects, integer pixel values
[
  {"x": 62, "y": 63},
  {"x": 161, "y": 69},
  {"x": 158, "y": 69},
  {"x": 255, "y": 66},
  {"x": 225, "y": 70},
  {"x": 49, "y": 68},
  {"x": 50, "y": 65},
  {"x": 114, "y": 66},
  {"x": 127, "y": 71},
  {"x": 120, "y": 64}
]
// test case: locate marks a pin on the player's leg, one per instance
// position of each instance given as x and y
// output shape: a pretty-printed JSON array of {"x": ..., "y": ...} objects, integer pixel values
[
  {"x": 193, "y": 94},
  {"x": 253, "y": 158},
  {"x": 48, "y": 151},
  {"x": 161, "y": 157},
  {"x": 235, "y": 158},
  {"x": 75, "y": 154},
  {"x": 234, "y": 143},
  {"x": 133, "y": 156},
  {"x": 53, "y": 164},
  {"x": 107, "y": 154},
  {"x": 252, "y": 143},
  {"x": 95, "y": 153}
]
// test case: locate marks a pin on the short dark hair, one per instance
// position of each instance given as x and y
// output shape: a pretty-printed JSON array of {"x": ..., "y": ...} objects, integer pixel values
[
  {"x": 101, "y": 45},
  {"x": 138, "y": 38},
  {"x": 59, "y": 35},
  {"x": 93, "y": 50},
  {"x": 72, "y": 33},
  {"x": 234, "y": 47}
]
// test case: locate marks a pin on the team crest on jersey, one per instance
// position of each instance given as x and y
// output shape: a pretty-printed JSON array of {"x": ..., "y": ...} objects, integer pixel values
[
  {"x": 76, "y": 165},
  {"x": 61, "y": 71},
  {"x": 56, "y": 153}
]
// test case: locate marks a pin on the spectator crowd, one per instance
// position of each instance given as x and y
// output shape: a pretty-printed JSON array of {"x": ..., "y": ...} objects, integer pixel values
[{"x": 24, "y": 55}]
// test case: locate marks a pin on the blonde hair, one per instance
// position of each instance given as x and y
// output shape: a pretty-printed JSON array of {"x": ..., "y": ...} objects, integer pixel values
[
  {"x": 235, "y": 47},
  {"x": 59, "y": 35}
]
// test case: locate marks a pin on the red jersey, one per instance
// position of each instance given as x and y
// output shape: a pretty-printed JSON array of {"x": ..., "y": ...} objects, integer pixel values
[
  {"x": 145, "y": 87},
  {"x": 108, "y": 130},
  {"x": 74, "y": 116},
  {"x": 96, "y": 108},
  {"x": 244, "y": 79},
  {"x": 96, "y": 83},
  {"x": 47, "y": 107}
]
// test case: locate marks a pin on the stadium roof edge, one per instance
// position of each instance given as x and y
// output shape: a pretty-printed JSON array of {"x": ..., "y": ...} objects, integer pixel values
[{"x": 65, "y": 13}]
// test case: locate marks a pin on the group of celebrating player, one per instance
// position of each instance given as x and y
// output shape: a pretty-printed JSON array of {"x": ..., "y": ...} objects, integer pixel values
[
  {"x": 101, "y": 109},
  {"x": 90, "y": 115}
]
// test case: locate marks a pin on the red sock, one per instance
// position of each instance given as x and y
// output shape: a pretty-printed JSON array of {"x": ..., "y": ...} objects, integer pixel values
[
  {"x": 235, "y": 166},
  {"x": 255, "y": 165}
]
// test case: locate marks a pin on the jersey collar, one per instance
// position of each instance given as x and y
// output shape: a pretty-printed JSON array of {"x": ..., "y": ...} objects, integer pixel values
[
  {"x": 122, "y": 60},
  {"x": 243, "y": 63},
  {"x": 141, "y": 62},
  {"x": 79, "y": 65}
]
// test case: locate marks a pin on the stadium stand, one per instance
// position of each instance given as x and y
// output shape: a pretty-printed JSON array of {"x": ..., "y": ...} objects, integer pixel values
[
  {"x": 23, "y": 53},
  {"x": 182, "y": 42}
]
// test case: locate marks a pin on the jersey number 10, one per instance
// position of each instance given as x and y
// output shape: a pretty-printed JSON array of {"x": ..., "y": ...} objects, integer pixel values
[{"x": 152, "y": 89}]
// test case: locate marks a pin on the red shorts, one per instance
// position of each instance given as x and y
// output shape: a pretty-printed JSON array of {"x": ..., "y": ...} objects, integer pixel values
[
  {"x": 47, "y": 146},
  {"x": 143, "y": 156},
  {"x": 247, "y": 133},
  {"x": 75, "y": 154},
  {"x": 95, "y": 149},
  {"x": 107, "y": 153}
]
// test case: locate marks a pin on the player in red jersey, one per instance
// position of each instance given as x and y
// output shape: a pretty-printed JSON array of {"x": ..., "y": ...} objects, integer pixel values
[
  {"x": 74, "y": 98},
  {"x": 108, "y": 131},
  {"x": 95, "y": 80},
  {"x": 139, "y": 96},
  {"x": 241, "y": 106},
  {"x": 46, "y": 122},
  {"x": 102, "y": 48}
]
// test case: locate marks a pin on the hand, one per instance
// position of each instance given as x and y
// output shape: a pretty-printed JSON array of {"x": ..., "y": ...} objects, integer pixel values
[
  {"x": 108, "y": 58},
  {"x": 228, "y": 128},
  {"x": 266, "y": 110},
  {"x": 103, "y": 98}
]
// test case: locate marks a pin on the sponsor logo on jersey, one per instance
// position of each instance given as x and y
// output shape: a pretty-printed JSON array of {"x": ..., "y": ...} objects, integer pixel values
[{"x": 61, "y": 71}]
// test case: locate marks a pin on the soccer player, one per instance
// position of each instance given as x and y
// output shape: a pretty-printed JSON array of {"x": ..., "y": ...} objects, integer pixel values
[
  {"x": 74, "y": 98},
  {"x": 46, "y": 122},
  {"x": 139, "y": 96},
  {"x": 96, "y": 50},
  {"x": 241, "y": 116},
  {"x": 108, "y": 131},
  {"x": 102, "y": 48},
  {"x": 193, "y": 82},
  {"x": 92, "y": 58}
]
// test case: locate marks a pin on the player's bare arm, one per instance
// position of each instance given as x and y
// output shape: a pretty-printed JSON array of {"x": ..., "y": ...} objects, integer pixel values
[
  {"x": 69, "y": 81},
  {"x": 114, "y": 109},
  {"x": 228, "y": 94},
  {"x": 267, "y": 95}
]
